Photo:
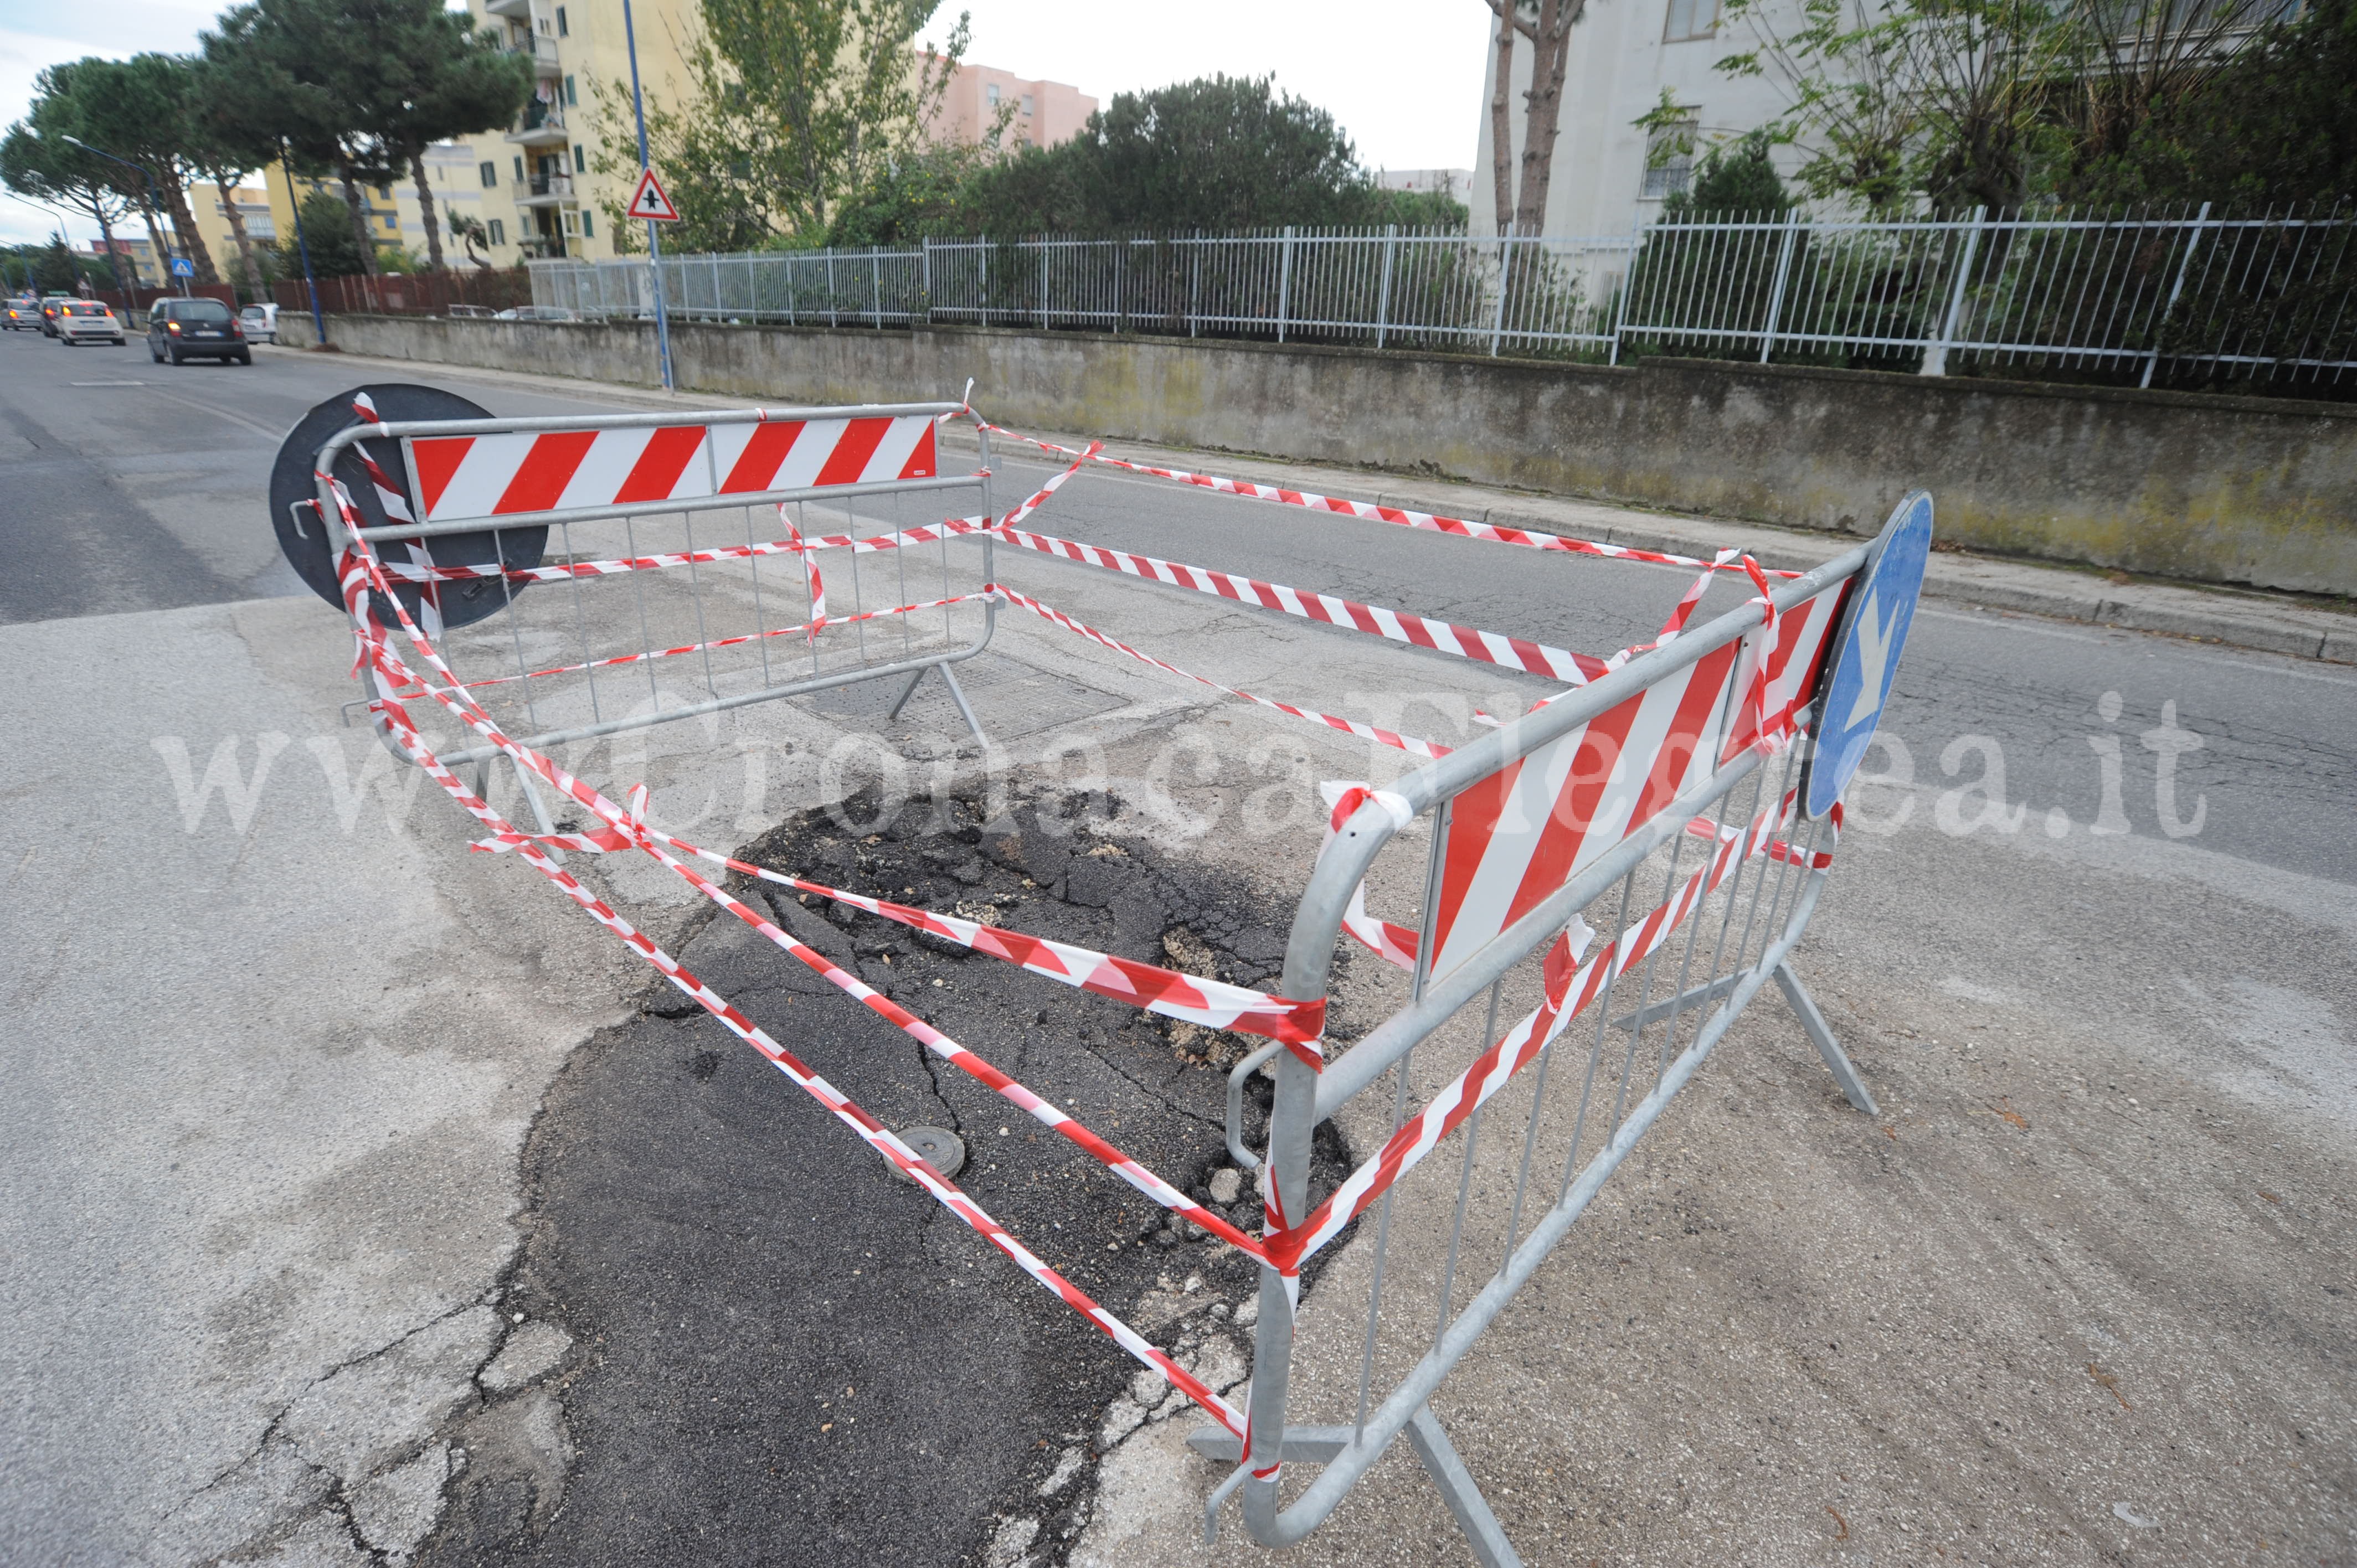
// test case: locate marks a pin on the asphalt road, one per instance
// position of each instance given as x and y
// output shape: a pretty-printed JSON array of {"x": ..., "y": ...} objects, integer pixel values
[
  {"x": 134, "y": 485},
  {"x": 661, "y": 1234}
]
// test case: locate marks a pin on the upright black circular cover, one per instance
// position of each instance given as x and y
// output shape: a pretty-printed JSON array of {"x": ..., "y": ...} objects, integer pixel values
[{"x": 459, "y": 603}]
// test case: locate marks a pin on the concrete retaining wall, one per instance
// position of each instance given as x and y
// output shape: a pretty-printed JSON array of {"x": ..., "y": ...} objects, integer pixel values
[{"x": 2207, "y": 489}]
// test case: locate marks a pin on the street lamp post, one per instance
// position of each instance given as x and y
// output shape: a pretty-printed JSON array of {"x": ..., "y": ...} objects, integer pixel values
[
  {"x": 150, "y": 203},
  {"x": 303, "y": 245},
  {"x": 654, "y": 237}
]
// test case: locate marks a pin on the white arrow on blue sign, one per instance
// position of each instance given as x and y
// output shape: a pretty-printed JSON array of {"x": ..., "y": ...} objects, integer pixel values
[{"x": 1865, "y": 656}]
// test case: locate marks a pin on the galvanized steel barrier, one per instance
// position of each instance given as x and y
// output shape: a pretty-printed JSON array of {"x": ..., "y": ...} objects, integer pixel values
[
  {"x": 1555, "y": 821},
  {"x": 1585, "y": 809},
  {"x": 623, "y": 498}
]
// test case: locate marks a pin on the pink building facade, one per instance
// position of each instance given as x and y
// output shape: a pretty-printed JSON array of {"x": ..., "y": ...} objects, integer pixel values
[{"x": 1044, "y": 113}]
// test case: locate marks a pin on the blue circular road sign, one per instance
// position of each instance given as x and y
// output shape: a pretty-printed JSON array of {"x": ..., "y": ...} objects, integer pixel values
[{"x": 1866, "y": 655}]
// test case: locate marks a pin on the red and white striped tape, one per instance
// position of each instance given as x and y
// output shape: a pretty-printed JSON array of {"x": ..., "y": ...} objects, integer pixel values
[
  {"x": 952, "y": 527},
  {"x": 1399, "y": 517},
  {"x": 1395, "y": 626},
  {"x": 1393, "y": 944},
  {"x": 522, "y": 472},
  {"x": 1391, "y": 738},
  {"x": 1197, "y": 999},
  {"x": 802, "y": 628}
]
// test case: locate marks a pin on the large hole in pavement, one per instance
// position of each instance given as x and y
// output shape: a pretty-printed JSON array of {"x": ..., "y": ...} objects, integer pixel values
[{"x": 781, "y": 1350}]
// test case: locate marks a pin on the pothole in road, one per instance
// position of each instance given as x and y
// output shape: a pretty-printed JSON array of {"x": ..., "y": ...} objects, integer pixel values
[{"x": 781, "y": 1350}]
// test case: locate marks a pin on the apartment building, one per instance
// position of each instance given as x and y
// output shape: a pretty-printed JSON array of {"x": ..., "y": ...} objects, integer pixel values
[
  {"x": 533, "y": 187},
  {"x": 1037, "y": 113},
  {"x": 1605, "y": 174},
  {"x": 378, "y": 204},
  {"x": 134, "y": 259},
  {"x": 1457, "y": 184},
  {"x": 212, "y": 223}
]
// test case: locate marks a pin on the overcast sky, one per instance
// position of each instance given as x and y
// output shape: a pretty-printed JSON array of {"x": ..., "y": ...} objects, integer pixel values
[{"x": 1403, "y": 76}]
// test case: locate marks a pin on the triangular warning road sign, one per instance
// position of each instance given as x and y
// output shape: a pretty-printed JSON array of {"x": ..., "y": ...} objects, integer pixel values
[{"x": 649, "y": 200}]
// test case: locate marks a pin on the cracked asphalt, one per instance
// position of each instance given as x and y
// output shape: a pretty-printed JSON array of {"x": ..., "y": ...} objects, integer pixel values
[{"x": 783, "y": 1352}]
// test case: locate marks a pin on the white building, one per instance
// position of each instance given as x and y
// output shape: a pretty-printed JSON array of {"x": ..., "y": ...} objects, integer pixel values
[
  {"x": 1457, "y": 184},
  {"x": 1623, "y": 53}
]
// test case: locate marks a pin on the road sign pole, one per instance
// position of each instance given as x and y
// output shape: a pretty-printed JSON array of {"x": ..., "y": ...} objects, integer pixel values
[{"x": 655, "y": 236}]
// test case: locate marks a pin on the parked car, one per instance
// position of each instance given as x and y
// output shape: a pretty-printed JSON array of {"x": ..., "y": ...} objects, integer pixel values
[
  {"x": 259, "y": 323},
  {"x": 474, "y": 312},
  {"x": 23, "y": 314},
  {"x": 88, "y": 321},
  {"x": 180, "y": 330},
  {"x": 536, "y": 313}
]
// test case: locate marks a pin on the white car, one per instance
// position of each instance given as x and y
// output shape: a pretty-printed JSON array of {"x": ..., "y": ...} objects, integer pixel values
[
  {"x": 537, "y": 313},
  {"x": 84, "y": 321},
  {"x": 260, "y": 323}
]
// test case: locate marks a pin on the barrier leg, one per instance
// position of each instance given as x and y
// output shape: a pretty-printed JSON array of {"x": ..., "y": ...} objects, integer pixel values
[
  {"x": 1308, "y": 1444},
  {"x": 957, "y": 695},
  {"x": 1804, "y": 1007},
  {"x": 1491, "y": 1547},
  {"x": 906, "y": 692},
  {"x": 1323, "y": 1444}
]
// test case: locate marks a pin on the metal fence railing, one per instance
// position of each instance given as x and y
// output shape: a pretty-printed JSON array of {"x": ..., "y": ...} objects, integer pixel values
[{"x": 2185, "y": 296}]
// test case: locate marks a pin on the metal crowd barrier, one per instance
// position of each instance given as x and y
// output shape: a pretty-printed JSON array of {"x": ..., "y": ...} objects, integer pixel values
[
  {"x": 1545, "y": 888},
  {"x": 1557, "y": 819},
  {"x": 838, "y": 510}
]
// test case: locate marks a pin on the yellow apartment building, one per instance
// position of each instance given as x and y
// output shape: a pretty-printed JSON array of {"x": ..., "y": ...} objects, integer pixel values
[{"x": 539, "y": 194}]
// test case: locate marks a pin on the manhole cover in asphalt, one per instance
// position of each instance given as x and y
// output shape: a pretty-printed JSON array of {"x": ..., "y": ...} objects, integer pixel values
[{"x": 938, "y": 1147}]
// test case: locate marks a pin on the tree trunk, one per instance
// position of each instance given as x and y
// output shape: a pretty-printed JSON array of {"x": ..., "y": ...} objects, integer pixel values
[
  {"x": 237, "y": 231},
  {"x": 359, "y": 219},
  {"x": 1551, "y": 58},
  {"x": 426, "y": 205},
  {"x": 1501, "y": 123},
  {"x": 185, "y": 220}
]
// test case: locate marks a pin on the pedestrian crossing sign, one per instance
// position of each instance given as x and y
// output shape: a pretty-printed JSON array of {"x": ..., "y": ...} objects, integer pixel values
[{"x": 650, "y": 203}]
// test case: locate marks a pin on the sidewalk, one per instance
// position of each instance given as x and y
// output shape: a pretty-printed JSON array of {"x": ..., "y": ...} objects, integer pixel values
[{"x": 2239, "y": 617}]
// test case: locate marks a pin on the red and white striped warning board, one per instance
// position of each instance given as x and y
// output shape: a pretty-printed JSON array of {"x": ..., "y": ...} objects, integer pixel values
[
  {"x": 462, "y": 477},
  {"x": 1519, "y": 834}
]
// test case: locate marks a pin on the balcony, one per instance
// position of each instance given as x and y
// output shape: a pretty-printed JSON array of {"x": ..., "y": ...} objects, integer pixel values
[
  {"x": 545, "y": 190},
  {"x": 520, "y": 9},
  {"x": 542, "y": 126},
  {"x": 543, "y": 54}
]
